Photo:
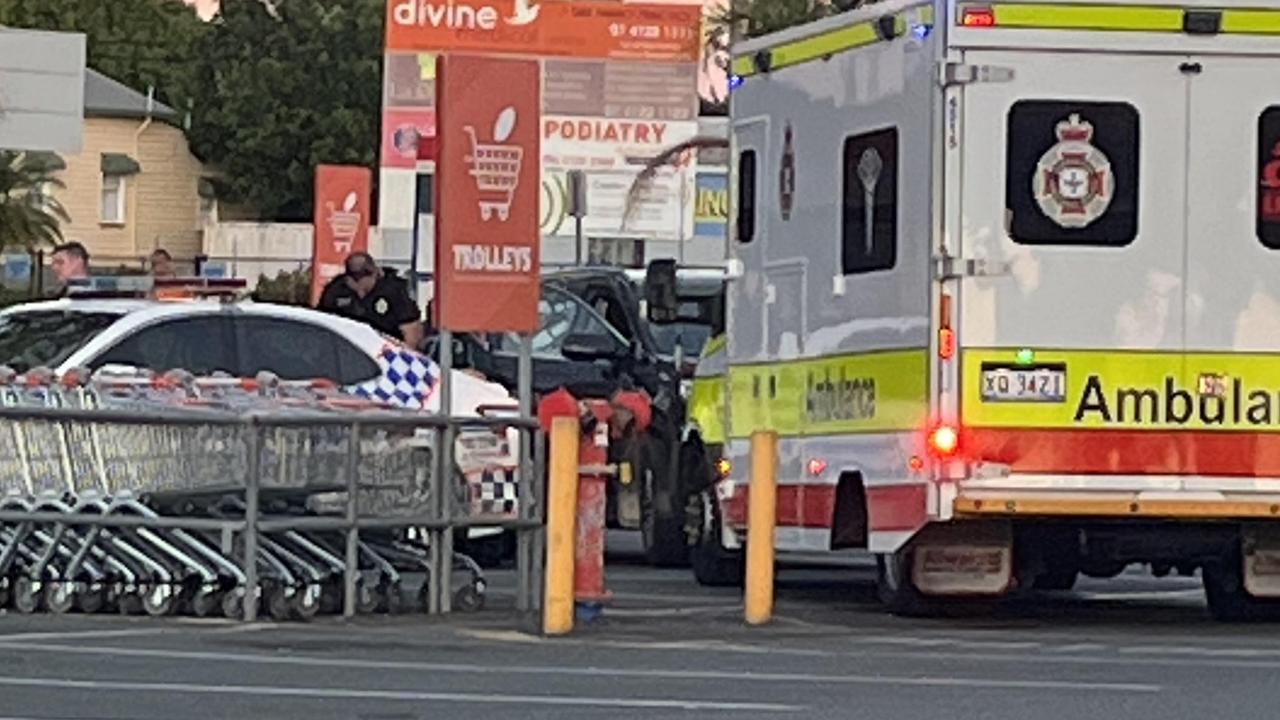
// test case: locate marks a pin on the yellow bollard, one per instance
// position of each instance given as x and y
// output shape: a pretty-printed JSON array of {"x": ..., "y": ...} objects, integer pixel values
[
  {"x": 562, "y": 514},
  {"x": 762, "y": 517}
]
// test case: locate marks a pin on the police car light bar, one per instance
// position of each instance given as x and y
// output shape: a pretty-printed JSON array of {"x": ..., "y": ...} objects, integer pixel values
[{"x": 140, "y": 286}]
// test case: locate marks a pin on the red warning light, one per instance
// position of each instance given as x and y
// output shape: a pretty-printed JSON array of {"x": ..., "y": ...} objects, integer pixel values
[
  {"x": 978, "y": 17},
  {"x": 944, "y": 440}
]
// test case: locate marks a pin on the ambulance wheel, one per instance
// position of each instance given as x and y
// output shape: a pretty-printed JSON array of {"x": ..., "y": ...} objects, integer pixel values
[
  {"x": 895, "y": 588},
  {"x": 1225, "y": 593},
  {"x": 713, "y": 565}
]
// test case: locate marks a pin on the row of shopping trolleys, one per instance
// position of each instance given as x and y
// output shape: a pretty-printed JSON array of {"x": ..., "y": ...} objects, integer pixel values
[{"x": 116, "y": 550}]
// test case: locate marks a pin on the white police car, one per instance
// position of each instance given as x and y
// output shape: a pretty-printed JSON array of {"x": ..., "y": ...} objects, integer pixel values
[{"x": 122, "y": 324}]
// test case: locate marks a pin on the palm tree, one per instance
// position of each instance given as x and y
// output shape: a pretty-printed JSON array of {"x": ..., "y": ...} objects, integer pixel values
[{"x": 29, "y": 217}]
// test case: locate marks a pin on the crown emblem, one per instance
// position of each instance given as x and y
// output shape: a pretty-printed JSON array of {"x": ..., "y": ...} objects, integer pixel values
[{"x": 1073, "y": 129}]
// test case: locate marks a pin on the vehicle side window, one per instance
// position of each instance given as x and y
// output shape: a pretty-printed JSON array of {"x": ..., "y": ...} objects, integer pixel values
[
  {"x": 746, "y": 221},
  {"x": 199, "y": 345},
  {"x": 1269, "y": 177},
  {"x": 869, "y": 226},
  {"x": 562, "y": 315},
  {"x": 296, "y": 350},
  {"x": 1071, "y": 173}
]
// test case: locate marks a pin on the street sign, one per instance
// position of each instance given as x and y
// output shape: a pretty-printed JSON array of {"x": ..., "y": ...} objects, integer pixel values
[{"x": 488, "y": 190}]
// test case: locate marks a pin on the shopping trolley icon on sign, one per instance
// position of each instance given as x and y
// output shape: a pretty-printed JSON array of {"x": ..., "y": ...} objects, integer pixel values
[
  {"x": 345, "y": 224},
  {"x": 496, "y": 167}
]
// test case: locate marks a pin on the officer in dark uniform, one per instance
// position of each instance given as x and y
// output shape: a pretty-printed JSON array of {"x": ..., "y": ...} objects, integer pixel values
[{"x": 374, "y": 296}]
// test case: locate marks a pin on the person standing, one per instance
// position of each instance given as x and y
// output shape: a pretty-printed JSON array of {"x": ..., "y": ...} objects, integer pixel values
[
  {"x": 70, "y": 261},
  {"x": 375, "y": 296},
  {"x": 162, "y": 264}
]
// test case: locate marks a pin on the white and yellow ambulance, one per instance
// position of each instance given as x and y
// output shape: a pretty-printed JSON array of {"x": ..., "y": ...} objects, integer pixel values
[{"x": 1010, "y": 292}]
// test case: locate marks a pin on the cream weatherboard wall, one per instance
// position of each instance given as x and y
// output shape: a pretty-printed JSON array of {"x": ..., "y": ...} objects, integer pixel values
[{"x": 162, "y": 205}]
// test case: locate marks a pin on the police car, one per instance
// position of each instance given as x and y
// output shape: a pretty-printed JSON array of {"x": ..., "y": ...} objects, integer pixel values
[{"x": 127, "y": 324}]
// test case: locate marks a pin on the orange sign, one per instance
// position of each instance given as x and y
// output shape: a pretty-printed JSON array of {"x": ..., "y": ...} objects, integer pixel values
[
  {"x": 341, "y": 221},
  {"x": 488, "y": 130},
  {"x": 597, "y": 29}
]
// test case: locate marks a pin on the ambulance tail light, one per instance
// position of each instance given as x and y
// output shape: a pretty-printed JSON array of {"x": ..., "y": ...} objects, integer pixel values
[
  {"x": 723, "y": 468},
  {"x": 944, "y": 441},
  {"x": 978, "y": 17}
]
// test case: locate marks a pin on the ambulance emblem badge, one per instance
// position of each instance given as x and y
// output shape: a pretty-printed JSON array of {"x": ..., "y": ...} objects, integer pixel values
[{"x": 1073, "y": 181}]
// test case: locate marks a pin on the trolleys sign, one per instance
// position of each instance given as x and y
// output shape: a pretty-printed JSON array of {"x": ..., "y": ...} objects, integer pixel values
[{"x": 487, "y": 209}]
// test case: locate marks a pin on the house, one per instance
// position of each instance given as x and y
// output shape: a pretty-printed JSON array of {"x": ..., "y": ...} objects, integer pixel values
[{"x": 135, "y": 186}]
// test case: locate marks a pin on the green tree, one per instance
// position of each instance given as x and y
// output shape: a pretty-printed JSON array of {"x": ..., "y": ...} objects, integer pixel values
[
  {"x": 30, "y": 217},
  {"x": 141, "y": 43},
  {"x": 283, "y": 88}
]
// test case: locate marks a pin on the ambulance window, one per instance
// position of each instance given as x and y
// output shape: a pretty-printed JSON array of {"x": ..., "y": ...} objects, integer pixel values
[
  {"x": 747, "y": 196},
  {"x": 1269, "y": 177},
  {"x": 869, "y": 228},
  {"x": 1071, "y": 174}
]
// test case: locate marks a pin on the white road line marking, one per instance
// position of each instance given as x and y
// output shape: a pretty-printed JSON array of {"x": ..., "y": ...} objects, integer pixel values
[
  {"x": 604, "y": 672},
  {"x": 82, "y": 634},
  {"x": 406, "y": 695}
]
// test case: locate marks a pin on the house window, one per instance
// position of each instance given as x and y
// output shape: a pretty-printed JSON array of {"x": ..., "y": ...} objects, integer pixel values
[
  {"x": 1071, "y": 174},
  {"x": 113, "y": 199},
  {"x": 869, "y": 227}
]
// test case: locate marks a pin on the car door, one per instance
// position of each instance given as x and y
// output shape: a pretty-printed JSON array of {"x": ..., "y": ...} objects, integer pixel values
[
  {"x": 299, "y": 350},
  {"x": 201, "y": 345},
  {"x": 562, "y": 316}
]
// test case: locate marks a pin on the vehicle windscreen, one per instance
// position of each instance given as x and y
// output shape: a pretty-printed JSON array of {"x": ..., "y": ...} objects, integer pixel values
[
  {"x": 47, "y": 337},
  {"x": 690, "y": 336}
]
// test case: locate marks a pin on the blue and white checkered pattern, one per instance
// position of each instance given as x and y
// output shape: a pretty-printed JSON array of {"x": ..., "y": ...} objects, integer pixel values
[{"x": 407, "y": 380}]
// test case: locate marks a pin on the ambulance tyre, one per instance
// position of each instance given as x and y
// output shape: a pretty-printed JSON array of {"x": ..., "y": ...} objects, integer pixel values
[
  {"x": 713, "y": 565},
  {"x": 1060, "y": 578},
  {"x": 1225, "y": 593},
  {"x": 896, "y": 590}
]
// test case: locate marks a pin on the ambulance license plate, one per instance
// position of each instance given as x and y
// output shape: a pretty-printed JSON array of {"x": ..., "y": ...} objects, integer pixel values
[{"x": 1040, "y": 384}]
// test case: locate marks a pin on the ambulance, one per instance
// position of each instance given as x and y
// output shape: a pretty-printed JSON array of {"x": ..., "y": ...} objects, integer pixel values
[{"x": 1009, "y": 293}]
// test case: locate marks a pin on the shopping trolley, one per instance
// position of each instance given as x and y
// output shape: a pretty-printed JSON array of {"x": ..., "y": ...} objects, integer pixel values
[{"x": 496, "y": 169}]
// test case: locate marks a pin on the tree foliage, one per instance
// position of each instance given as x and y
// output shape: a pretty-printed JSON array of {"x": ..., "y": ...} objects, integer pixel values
[
  {"x": 30, "y": 217},
  {"x": 753, "y": 18},
  {"x": 286, "y": 87}
]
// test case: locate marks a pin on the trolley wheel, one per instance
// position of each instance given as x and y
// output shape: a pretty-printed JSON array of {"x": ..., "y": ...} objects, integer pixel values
[
  {"x": 160, "y": 601},
  {"x": 5, "y": 595},
  {"x": 205, "y": 602},
  {"x": 233, "y": 604},
  {"x": 279, "y": 604},
  {"x": 60, "y": 597},
  {"x": 502, "y": 214},
  {"x": 130, "y": 603},
  {"x": 485, "y": 212},
  {"x": 306, "y": 602},
  {"x": 391, "y": 600},
  {"x": 468, "y": 598},
  {"x": 367, "y": 599},
  {"x": 26, "y": 595},
  {"x": 91, "y": 599}
]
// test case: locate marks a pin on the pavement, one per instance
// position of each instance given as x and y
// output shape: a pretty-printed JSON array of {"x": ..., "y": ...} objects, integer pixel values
[{"x": 1134, "y": 648}]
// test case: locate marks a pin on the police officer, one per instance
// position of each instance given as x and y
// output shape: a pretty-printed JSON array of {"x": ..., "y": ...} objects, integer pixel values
[{"x": 376, "y": 297}]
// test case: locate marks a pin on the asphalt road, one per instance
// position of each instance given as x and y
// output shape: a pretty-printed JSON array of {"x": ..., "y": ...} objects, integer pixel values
[{"x": 1134, "y": 648}]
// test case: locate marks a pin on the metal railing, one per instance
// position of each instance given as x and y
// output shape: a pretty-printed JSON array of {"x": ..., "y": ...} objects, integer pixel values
[{"x": 113, "y": 495}]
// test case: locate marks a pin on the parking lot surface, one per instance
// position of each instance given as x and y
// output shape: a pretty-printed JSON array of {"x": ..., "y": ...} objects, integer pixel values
[{"x": 1132, "y": 648}]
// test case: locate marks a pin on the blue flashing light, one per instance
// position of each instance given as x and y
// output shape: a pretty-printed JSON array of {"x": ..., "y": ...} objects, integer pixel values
[
  {"x": 735, "y": 82},
  {"x": 920, "y": 32}
]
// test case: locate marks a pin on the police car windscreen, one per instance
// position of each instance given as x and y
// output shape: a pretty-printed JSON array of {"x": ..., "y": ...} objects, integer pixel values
[{"x": 47, "y": 338}]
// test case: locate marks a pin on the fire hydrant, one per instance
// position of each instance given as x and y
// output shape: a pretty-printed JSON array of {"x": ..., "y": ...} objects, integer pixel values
[{"x": 599, "y": 421}]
